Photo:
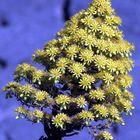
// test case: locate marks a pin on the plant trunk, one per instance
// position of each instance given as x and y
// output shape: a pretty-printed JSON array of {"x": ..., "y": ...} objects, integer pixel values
[
  {"x": 52, "y": 133},
  {"x": 55, "y": 137}
]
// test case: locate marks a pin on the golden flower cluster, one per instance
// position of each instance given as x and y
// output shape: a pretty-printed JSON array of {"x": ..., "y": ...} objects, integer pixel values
[{"x": 85, "y": 76}]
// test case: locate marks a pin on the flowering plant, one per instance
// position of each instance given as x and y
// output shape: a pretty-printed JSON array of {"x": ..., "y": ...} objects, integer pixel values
[{"x": 85, "y": 77}]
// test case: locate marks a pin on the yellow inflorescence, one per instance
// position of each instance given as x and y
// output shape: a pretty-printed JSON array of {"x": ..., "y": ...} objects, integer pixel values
[
  {"x": 72, "y": 51},
  {"x": 38, "y": 114},
  {"x": 86, "y": 115},
  {"x": 85, "y": 76},
  {"x": 111, "y": 65},
  {"x": 105, "y": 135},
  {"x": 86, "y": 81},
  {"x": 106, "y": 31},
  {"x": 113, "y": 20},
  {"x": 37, "y": 76},
  {"x": 101, "y": 45},
  {"x": 101, "y": 111},
  {"x": 60, "y": 119},
  {"x": 90, "y": 23},
  {"x": 97, "y": 94},
  {"x": 114, "y": 113},
  {"x": 100, "y": 61},
  {"x": 114, "y": 90},
  {"x": 62, "y": 63},
  {"x": 26, "y": 89},
  {"x": 128, "y": 95},
  {"x": 107, "y": 78},
  {"x": 77, "y": 69},
  {"x": 55, "y": 74},
  {"x": 81, "y": 102},
  {"x": 126, "y": 104},
  {"x": 41, "y": 95},
  {"x": 62, "y": 99},
  {"x": 52, "y": 51},
  {"x": 21, "y": 110},
  {"x": 86, "y": 56}
]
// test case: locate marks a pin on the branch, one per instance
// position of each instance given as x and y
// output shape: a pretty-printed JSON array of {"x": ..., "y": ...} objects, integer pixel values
[
  {"x": 47, "y": 129},
  {"x": 74, "y": 133}
]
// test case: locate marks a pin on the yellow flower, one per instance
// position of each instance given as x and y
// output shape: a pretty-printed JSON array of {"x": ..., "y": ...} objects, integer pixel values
[
  {"x": 23, "y": 67},
  {"x": 60, "y": 119},
  {"x": 62, "y": 99},
  {"x": 105, "y": 135},
  {"x": 125, "y": 81},
  {"x": 39, "y": 55},
  {"x": 128, "y": 63},
  {"x": 111, "y": 65},
  {"x": 55, "y": 73},
  {"x": 38, "y": 114},
  {"x": 37, "y": 76},
  {"x": 127, "y": 46},
  {"x": 26, "y": 89},
  {"x": 106, "y": 30},
  {"x": 95, "y": 26},
  {"x": 86, "y": 56},
  {"x": 62, "y": 63},
  {"x": 97, "y": 94},
  {"x": 52, "y": 51},
  {"x": 72, "y": 51},
  {"x": 88, "y": 40},
  {"x": 90, "y": 22},
  {"x": 112, "y": 49},
  {"x": 79, "y": 35},
  {"x": 117, "y": 20},
  {"x": 50, "y": 44},
  {"x": 90, "y": 61},
  {"x": 126, "y": 104},
  {"x": 113, "y": 20},
  {"x": 101, "y": 111},
  {"x": 72, "y": 28},
  {"x": 92, "y": 9},
  {"x": 114, "y": 90},
  {"x": 64, "y": 41},
  {"x": 106, "y": 9},
  {"x": 114, "y": 113},
  {"x": 86, "y": 115},
  {"x": 100, "y": 2},
  {"x": 80, "y": 101},
  {"x": 41, "y": 95},
  {"x": 128, "y": 95},
  {"x": 86, "y": 81},
  {"x": 108, "y": 78},
  {"x": 118, "y": 34},
  {"x": 124, "y": 49},
  {"x": 100, "y": 61},
  {"x": 101, "y": 45},
  {"x": 120, "y": 67},
  {"x": 109, "y": 20},
  {"x": 76, "y": 17},
  {"x": 21, "y": 110},
  {"x": 77, "y": 68}
]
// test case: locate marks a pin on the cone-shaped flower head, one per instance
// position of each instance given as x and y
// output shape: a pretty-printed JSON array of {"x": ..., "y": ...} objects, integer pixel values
[{"x": 85, "y": 77}]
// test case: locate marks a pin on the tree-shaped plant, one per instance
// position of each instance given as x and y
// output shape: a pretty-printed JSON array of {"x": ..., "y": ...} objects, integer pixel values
[{"x": 85, "y": 80}]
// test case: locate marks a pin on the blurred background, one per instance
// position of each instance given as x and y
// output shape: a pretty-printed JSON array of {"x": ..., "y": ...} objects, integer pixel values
[{"x": 25, "y": 26}]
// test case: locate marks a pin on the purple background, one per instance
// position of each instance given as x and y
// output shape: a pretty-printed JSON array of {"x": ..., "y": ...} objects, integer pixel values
[{"x": 31, "y": 23}]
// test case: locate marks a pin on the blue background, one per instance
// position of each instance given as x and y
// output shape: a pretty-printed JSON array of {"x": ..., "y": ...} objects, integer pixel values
[{"x": 25, "y": 26}]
